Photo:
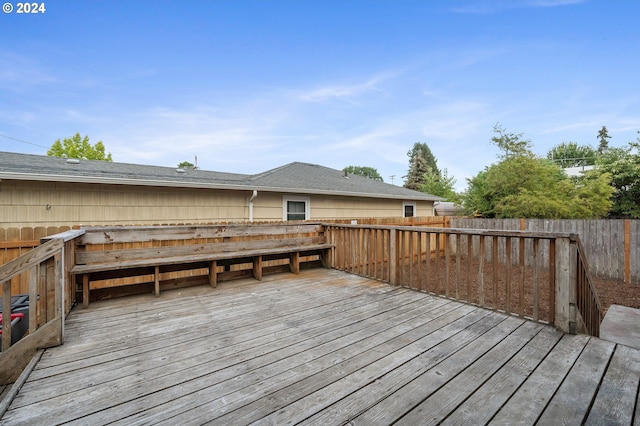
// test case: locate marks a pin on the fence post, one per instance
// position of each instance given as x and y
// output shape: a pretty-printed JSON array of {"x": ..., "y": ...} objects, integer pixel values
[
  {"x": 627, "y": 251},
  {"x": 566, "y": 276},
  {"x": 393, "y": 256},
  {"x": 328, "y": 238}
]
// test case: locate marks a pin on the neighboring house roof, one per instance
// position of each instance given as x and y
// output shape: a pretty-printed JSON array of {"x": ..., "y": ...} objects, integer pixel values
[
  {"x": 302, "y": 178},
  {"x": 577, "y": 171}
]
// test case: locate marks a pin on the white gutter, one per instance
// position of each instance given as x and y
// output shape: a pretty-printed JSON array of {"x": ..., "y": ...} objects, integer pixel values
[{"x": 253, "y": 196}]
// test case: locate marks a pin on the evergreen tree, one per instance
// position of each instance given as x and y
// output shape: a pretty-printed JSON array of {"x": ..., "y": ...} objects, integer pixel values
[
  {"x": 603, "y": 138},
  {"x": 417, "y": 169},
  {"x": 421, "y": 161}
]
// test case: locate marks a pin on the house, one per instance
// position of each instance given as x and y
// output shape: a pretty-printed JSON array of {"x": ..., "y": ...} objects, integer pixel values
[
  {"x": 577, "y": 171},
  {"x": 40, "y": 190}
]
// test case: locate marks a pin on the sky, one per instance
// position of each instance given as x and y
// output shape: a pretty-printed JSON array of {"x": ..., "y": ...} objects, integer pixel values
[{"x": 247, "y": 86}]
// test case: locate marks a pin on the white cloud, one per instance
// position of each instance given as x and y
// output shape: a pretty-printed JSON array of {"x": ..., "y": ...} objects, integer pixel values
[
  {"x": 346, "y": 92},
  {"x": 482, "y": 7}
]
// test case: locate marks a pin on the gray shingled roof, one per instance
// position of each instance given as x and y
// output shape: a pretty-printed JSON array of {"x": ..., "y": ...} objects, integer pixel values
[
  {"x": 300, "y": 178},
  {"x": 323, "y": 180}
]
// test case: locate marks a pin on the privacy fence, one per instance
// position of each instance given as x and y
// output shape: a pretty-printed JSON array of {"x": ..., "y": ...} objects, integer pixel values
[{"x": 611, "y": 246}]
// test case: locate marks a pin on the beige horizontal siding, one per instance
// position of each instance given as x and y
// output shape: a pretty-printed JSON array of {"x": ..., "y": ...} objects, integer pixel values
[
  {"x": 268, "y": 207},
  {"x": 34, "y": 204}
]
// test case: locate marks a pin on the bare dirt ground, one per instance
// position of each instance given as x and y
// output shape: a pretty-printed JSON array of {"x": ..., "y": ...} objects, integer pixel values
[{"x": 617, "y": 292}]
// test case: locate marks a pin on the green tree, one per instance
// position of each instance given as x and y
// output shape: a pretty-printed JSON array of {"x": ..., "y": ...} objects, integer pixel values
[
  {"x": 424, "y": 150},
  {"x": 511, "y": 143},
  {"x": 365, "y": 171},
  {"x": 441, "y": 185},
  {"x": 570, "y": 154},
  {"x": 603, "y": 139},
  {"x": 417, "y": 170},
  {"x": 421, "y": 161},
  {"x": 477, "y": 199},
  {"x": 544, "y": 191},
  {"x": 623, "y": 166},
  {"x": 79, "y": 147},
  {"x": 186, "y": 165}
]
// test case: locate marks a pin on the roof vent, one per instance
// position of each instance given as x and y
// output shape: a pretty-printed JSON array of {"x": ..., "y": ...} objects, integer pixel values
[
  {"x": 73, "y": 161},
  {"x": 181, "y": 171}
]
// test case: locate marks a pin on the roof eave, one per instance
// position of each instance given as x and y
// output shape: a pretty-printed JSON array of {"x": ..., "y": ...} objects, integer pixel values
[
  {"x": 201, "y": 185},
  {"x": 120, "y": 181},
  {"x": 345, "y": 193}
]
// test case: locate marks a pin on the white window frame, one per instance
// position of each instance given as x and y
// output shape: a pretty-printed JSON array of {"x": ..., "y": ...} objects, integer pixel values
[
  {"x": 305, "y": 200},
  {"x": 412, "y": 204}
]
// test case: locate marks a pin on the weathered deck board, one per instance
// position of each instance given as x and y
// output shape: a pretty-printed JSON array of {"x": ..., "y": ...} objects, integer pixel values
[
  {"x": 616, "y": 401},
  {"x": 322, "y": 347}
]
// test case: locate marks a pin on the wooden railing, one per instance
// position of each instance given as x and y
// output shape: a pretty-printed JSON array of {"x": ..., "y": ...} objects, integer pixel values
[
  {"x": 612, "y": 246},
  {"x": 51, "y": 296},
  {"x": 587, "y": 298},
  {"x": 535, "y": 275}
]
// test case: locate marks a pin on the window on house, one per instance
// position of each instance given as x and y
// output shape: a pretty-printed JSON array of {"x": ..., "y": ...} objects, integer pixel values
[
  {"x": 409, "y": 209},
  {"x": 296, "y": 208}
]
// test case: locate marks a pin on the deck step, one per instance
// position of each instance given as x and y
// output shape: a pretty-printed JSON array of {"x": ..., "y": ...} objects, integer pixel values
[{"x": 621, "y": 325}]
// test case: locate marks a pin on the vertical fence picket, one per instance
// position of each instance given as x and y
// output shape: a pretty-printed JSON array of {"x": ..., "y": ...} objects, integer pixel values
[
  {"x": 536, "y": 286},
  {"x": 508, "y": 275},
  {"x": 522, "y": 276},
  {"x": 469, "y": 262},
  {"x": 481, "y": 272},
  {"x": 552, "y": 281}
]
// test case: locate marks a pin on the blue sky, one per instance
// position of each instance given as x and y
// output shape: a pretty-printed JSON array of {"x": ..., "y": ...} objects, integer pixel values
[{"x": 247, "y": 86}]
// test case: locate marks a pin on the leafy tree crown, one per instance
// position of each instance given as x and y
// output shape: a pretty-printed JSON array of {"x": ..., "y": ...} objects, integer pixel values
[
  {"x": 368, "y": 172},
  {"x": 79, "y": 147}
]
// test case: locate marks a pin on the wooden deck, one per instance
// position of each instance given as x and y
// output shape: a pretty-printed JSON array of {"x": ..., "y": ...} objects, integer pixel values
[{"x": 323, "y": 347}]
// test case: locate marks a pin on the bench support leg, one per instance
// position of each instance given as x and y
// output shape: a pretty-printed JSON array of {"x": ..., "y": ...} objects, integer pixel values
[
  {"x": 157, "y": 281},
  {"x": 257, "y": 267},
  {"x": 324, "y": 258},
  {"x": 213, "y": 274},
  {"x": 294, "y": 262},
  {"x": 85, "y": 290}
]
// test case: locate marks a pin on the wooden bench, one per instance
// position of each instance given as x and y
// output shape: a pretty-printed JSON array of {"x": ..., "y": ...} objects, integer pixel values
[{"x": 104, "y": 253}]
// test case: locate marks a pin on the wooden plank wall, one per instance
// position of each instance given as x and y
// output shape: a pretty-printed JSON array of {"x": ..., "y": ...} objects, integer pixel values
[
  {"x": 15, "y": 242},
  {"x": 612, "y": 246}
]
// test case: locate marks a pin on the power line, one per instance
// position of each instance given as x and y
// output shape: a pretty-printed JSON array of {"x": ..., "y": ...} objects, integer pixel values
[{"x": 23, "y": 141}]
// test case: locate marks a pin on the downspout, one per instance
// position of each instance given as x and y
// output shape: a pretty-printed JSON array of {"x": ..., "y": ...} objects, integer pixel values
[{"x": 253, "y": 196}]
